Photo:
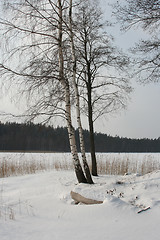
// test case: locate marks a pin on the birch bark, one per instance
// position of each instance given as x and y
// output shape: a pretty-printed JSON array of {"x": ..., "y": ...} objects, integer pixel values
[
  {"x": 81, "y": 138},
  {"x": 78, "y": 169}
]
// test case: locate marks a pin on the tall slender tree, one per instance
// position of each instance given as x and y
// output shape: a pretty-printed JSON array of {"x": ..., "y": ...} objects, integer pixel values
[
  {"x": 74, "y": 64},
  {"x": 65, "y": 83},
  {"x": 43, "y": 72},
  {"x": 104, "y": 85}
]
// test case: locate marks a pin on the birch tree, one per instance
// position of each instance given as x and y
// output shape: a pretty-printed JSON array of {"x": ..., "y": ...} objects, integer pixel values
[
  {"x": 35, "y": 37},
  {"x": 74, "y": 64},
  {"x": 65, "y": 83},
  {"x": 101, "y": 65}
]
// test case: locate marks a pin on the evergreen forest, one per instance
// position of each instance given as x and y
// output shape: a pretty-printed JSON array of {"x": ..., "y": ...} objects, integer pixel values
[{"x": 37, "y": 137}]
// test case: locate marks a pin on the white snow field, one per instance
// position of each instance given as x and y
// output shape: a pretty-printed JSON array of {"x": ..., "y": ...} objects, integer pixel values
[{"x": 39, "y": 207}]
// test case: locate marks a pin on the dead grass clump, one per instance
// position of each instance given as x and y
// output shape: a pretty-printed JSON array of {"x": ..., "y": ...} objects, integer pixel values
[
  {"x": 149, "y": 166},
  {"x": 117, "y": 166},
  {"x": 62, "y": 165},
  {"x": 114, "y": 167},
  {"x": 6, "y": 212},
  {"x": 15, "y": 168},
  {"x": 106, "y": 163}
]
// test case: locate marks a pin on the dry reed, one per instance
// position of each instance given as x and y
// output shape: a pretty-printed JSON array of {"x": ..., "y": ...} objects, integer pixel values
[{"x": 115, "y": 166}]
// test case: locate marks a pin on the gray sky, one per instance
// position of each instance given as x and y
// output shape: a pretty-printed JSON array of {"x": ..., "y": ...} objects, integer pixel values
[{"x": 141, "y": 119}]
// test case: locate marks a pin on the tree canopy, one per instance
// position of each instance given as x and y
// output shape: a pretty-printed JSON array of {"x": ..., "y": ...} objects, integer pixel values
[{"x": 144, "y": 14}]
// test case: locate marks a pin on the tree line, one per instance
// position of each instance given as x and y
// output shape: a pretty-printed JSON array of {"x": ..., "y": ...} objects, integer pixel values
[
  {"x": 38, "y": 137},
  {"x": 65, "y": 60}
]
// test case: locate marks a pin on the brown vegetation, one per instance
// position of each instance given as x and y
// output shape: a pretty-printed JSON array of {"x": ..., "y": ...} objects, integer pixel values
[{"x": 115, "y": 166}]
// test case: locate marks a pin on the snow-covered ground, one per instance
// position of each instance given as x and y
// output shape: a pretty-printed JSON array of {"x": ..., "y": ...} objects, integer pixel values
[{"x": 39, "y": 207}]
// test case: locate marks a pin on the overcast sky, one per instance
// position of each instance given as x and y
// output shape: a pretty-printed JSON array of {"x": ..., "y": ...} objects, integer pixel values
[{"x": 141, "y": 119}]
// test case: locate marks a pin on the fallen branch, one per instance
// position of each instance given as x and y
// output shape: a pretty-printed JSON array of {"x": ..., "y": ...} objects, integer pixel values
[
  {"x": 80, "y": 199},
  {"x": 144, "y": 209}
]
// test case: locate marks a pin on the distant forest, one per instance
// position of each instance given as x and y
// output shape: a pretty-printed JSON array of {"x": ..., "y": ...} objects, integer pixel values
[{"x": 37, "y": 137}]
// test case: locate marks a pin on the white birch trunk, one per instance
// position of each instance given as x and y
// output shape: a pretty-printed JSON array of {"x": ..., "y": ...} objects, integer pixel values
[
  {"x": 71, "y": 133},
  {"x": 81, "y": 138},
  {"x": 65, "y": 84}
]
